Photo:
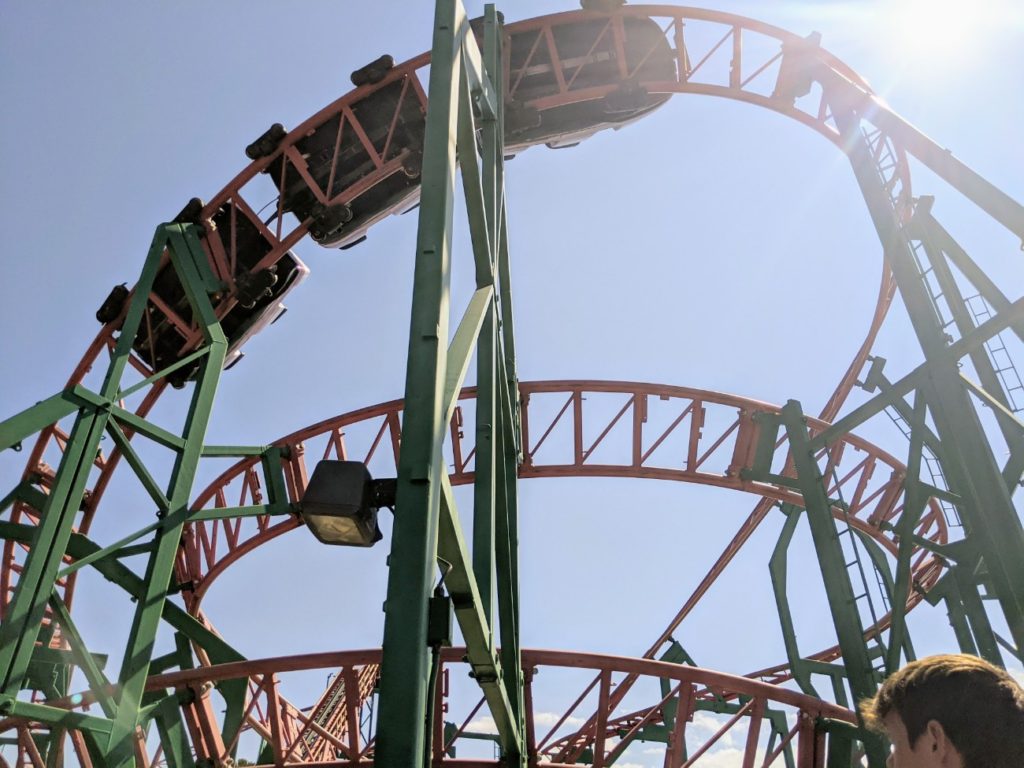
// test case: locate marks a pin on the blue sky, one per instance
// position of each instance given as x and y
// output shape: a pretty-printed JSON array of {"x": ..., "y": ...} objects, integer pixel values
[{"x": 711, "y": 245}]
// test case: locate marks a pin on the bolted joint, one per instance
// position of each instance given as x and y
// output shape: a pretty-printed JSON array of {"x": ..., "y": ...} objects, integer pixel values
[{"x": 484, "y": 677}]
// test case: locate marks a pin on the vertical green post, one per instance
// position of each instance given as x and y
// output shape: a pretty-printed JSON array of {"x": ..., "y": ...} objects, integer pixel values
[
  {"x": 835, "y": 576},
  {"x": 412, "y": 561}
]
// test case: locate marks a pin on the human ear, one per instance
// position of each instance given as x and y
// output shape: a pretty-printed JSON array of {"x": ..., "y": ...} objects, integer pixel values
[{"x": 938, "y": 743}]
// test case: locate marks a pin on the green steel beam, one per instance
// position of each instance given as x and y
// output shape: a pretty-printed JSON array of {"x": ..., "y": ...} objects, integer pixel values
[
  {"x": 948, "y": 591},
  {"x": 481, "y": 656},
  {"x": 118, "y": 548},
  {"x": 218, "y": 651},
  {"x": 914, "y": 502},
  {"x": 405, "y": 667},
  {"x": 836, "y": 578},
  {"x": 54, "y": 716},
  {"x": 426, "y": 522},
  {"x": 484, "y": 466},
  {"x": 460, "y": 352},
  {"x": 25, "y": 492},
  {"x": 42, "y": 414},
  {"x": 80, "y": 547},
  {"x": 186, "y": 253},
  {"x": 915, "y": 378},
  {"x": 98, "y": 682},
  {"x": 974, "y": 610},
  {"x": 506, "y": 554},
  {"x": 900, "y": 640},
  {"x": 991, "y": 389},
  {"x": 50, "y": 540},
  {"x": 968, "y": 462},
  {"x": 141, "y": 426},
  {"x": 1010, "y": 424},
  {"x": 161, "y": 374},
  {"x": 173, "y": 736},
  {"x": 940, "y": 160},
  {"x": 777, "y": 570},
  {"x": 484, "y": 493},
  {"x": 138, "y": 466},
  {"x": 924, "y": 225}
]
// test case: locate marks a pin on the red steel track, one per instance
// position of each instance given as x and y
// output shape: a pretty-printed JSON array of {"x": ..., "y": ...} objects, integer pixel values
[
  {"x": 709, "y": 439},
  {"x": 717, "y": 433},
  {"x": 762, "y": 85},
  {"x": 297, "y": 738},
  {"x": 719, "y": 430}
]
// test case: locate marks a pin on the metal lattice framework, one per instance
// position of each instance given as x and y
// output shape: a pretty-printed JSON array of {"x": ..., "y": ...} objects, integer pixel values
[{"x": 940, "y": 526}]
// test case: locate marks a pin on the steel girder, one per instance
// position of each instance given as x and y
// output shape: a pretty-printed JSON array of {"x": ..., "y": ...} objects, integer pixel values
[
  {"x": 941, "y": 412},
  {"x": 427, "y": 532}
]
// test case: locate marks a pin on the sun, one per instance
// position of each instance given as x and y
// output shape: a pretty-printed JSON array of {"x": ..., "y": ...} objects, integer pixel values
[{"x": 947, "y": 30}]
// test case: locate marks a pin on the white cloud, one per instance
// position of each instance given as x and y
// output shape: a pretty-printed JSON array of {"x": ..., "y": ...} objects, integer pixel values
[
  {"x": 548, "y": 719},
  {"x": 629, "y": 765},
  {"x": 727, "y": 758},
  {"x": 654, "y": 751},
  {"x": 708, "y": 724},
  {"x": 484, "y": 724}
]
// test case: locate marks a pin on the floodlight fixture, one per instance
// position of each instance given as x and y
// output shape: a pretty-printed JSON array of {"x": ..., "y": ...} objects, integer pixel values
[{"x": 341, "y": 502}]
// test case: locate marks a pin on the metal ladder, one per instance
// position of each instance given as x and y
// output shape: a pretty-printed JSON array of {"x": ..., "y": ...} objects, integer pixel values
[
  {"x": 934, "y": 467},
  {"x": 858, "y": 575},
  {"x": 998, "y": 354}
]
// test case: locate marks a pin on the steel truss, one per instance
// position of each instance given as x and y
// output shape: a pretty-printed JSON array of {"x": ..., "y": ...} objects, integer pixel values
[{"x": 940, "y": 527}]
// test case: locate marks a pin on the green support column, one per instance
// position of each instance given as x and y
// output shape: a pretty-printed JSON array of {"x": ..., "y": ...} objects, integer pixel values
[
  {"x": 405, "y": 665},
  {"x": 990, "y": 519},
  {"x": 186, "y": 256},
  {"x": 948, "y": 591},
  {"x": 35, "y": 583},
  {"x": 974, "y": 611},
  {"x": 484, "y": 467},
  {"x": 492, "y": 140},
  {"x": 426, "y": 521},
  {"x": 112, "y": 740},
  {"x": 507, "y": 556},
  {"x": 913, "y": 507},
  {"x": 835, "y": 576},
  {"x": 777, "y": 569}
]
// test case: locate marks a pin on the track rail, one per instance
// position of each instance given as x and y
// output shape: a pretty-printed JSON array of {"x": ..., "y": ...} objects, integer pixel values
[
  {"x": 715, "y": 54},
  {"x": 760, "y": 79},
  {"x": 686, "y": 692},
  {"x": 570, "y": 429}
]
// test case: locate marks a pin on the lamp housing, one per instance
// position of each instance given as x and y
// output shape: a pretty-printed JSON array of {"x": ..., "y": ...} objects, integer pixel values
[{"x": 341, "y": 502}]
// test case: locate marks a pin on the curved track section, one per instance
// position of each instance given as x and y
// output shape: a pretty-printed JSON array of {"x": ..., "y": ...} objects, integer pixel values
[
  {"x": 570, "y": 429},
  {"x": 357, "y": 159},
  {"x": 581, "y": 429},
  {"x": 772, "y": 724}
]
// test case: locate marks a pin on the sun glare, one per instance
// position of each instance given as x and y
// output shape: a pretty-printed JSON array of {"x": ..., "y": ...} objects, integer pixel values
[{"x": 953, "y": 28}]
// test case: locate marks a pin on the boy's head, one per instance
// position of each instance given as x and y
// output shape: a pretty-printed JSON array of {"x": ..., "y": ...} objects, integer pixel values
[{"x": 951, "y": 711}]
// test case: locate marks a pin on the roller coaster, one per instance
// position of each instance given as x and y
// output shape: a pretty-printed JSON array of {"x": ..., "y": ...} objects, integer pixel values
[{"x": 936, "y": 524}]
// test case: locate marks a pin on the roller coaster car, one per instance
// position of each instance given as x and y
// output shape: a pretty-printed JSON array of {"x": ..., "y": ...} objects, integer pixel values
[
  {"x": 391, "y": 119},
  {"x": 163, "y": 337},
  {"x": 587, "y": 56}
]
